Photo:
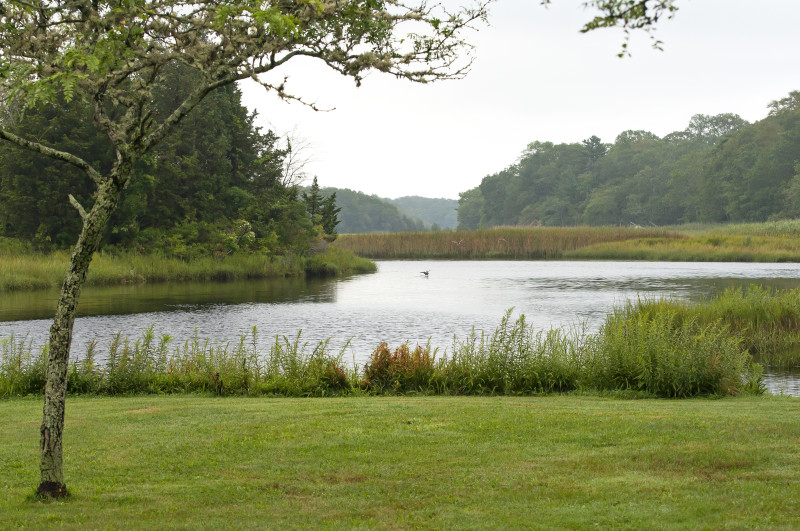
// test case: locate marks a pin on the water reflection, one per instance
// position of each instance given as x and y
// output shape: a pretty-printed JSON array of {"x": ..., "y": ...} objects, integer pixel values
[
  {"x": 396, "y": 305},
  {"x": 135, "y": 299}
]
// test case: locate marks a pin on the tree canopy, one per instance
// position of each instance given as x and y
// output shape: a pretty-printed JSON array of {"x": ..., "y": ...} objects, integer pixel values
[{"x": 720, "y": 168}]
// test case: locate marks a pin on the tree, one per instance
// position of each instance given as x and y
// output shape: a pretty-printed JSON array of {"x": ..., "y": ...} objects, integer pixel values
[
  {"x": 711, "y": 128},
  {"x": 313, "y": 200},
  {"x": 205, "y": 172},
  {"x": 329, "y": 213},
  {"x": 111, "y": 54},
  {"x": 595, "y": 148},
  {"x": 296, "y": 159}
]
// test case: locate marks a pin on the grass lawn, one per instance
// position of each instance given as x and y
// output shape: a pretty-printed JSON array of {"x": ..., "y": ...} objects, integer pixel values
[{"x": 402, "y": 463}]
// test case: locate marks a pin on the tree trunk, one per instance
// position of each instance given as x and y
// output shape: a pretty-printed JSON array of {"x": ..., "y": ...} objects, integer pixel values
[{"x": 94, "y": 223}]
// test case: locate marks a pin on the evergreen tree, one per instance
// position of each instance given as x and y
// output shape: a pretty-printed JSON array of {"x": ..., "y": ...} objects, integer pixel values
[
  {"x": 330, "y": 214},
  {"x": 313, "y": 201}
]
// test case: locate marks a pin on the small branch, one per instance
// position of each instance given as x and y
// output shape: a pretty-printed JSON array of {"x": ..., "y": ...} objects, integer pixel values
[
  {"x": 178, "y": 114},
  {"x": 282, "y": 94},
  {"x": 78, "y": 207},
  {"x": 54, "y": 154}
]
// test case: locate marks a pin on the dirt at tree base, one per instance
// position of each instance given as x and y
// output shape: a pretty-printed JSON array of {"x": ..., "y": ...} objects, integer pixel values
[{"x": 51, "y": 489}]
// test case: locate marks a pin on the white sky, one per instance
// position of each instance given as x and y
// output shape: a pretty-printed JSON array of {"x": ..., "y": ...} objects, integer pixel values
[{"x": 535, "y": 77}]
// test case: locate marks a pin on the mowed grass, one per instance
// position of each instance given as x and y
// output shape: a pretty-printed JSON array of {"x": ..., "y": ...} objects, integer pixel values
[{"x": 415, "y": 462}]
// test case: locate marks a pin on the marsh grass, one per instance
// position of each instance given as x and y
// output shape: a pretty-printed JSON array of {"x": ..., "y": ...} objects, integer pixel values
[
  {"x": 753, "y": 242},
  {"x": 502, "y": 242},
  {"x": 515, "y": 359},
  {"x": 785, "y": 227},
  {"x": 667, "y": 354},
  {"x": 706, "y": 248},
  {"x": 24, "y": 268},
  {"x": 766, "y": 321},
  {"x": 41, "y": 271}
]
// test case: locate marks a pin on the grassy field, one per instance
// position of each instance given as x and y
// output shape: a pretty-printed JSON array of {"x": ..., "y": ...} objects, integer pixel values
[
  {"x": 569, "y": 462},
  {"x": 753, "y": 242}
]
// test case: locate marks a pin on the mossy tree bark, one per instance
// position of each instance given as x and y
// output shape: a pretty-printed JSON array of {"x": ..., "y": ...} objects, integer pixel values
[{"x": 94, "y": 222}]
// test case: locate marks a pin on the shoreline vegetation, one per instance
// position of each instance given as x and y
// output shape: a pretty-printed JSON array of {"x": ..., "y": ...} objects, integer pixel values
[
  {"x": 648, "y": 348},
  {"x": 26, "y": 269},
  {"x": 777, "y": 241}
]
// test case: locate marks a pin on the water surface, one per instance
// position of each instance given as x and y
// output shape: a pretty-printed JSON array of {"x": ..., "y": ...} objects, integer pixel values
[{"x": 396, "y": 304}]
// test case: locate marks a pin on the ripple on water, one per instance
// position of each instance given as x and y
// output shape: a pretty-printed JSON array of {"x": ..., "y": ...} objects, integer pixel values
[{"x": 395, "y": 305}]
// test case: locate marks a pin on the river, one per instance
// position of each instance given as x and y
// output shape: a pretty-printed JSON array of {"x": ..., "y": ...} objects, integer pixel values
[{"x": 396, "y": 304}]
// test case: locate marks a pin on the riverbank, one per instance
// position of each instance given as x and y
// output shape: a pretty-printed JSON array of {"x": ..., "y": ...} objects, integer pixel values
[
  {"x": 568, "y": 462},
  {"x": 657, "y": 348},
  {"x": 25, "y": 269},
  {"x": 754, "y": 242}
]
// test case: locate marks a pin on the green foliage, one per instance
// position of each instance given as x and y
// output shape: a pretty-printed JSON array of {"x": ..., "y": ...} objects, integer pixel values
[
  {"x": 190, "y": 197},
  {"x": 329, "y": 215},
  {"x": 335, "y": 262},
  {"x": 322, "y": 210},
  {"x": 33, "y": 189},
  {"x": 362, "y": 213},
  {"x": 440, "y": 212},
  {"x": 719, "y": 169},
  {"x": 666, "y": 355}
]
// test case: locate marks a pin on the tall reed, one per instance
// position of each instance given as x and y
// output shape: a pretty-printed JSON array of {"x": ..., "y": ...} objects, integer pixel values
[
  {"x": 665, "y": 354},
  {"x": 659, "y": 347},
  {"x": 502, "y": 242},
  {"x": 757, "y": 242},
  {"x": 153, "y": 364},
  {"x": 766, "y": 321}
]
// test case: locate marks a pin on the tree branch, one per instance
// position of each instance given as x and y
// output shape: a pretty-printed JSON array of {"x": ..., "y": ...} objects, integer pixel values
[
  {"x": 54, "y": 154},
  {"x": 78, "y": 207}
]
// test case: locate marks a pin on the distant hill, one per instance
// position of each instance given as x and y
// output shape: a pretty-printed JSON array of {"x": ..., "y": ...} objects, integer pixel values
[
  {"x": 369, "y": 213},
  {"x": 442, "y": 212}
]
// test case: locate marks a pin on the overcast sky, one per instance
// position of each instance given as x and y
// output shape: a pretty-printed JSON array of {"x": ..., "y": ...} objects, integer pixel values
[{"x": 535, "y": 77}]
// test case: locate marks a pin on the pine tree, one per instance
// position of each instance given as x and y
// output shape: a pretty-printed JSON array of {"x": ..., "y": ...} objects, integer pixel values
[{"x": 330, "y": 214}]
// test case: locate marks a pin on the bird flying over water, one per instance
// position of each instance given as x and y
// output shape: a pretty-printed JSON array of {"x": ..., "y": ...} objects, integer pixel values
[{"x": 425, "y": 273}]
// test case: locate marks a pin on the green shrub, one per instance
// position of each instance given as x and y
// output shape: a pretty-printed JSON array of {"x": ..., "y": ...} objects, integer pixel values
[
  {"x": 662, "y": 353},
  {"x": 515, "y": 359}
]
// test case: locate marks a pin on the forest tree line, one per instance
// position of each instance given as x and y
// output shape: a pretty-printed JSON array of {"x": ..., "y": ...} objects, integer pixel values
[
  {"x": 719, "y": 169},
  {"x": 369, "y": 213},
  {"x": 218, "y": 184}
]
